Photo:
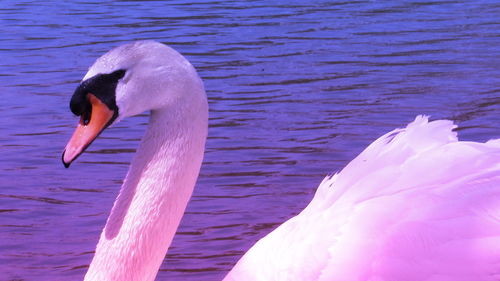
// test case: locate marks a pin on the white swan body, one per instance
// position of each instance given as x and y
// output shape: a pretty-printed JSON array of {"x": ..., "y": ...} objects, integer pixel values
[{"x": 417, "y": 204}]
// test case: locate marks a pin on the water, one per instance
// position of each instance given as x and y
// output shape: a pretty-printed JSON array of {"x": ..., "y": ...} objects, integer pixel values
[{"x": 296, "y": 89}]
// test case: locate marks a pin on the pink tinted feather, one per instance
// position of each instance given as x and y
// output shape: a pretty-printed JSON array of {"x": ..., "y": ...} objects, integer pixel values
[{"x": 417, "y": 204}]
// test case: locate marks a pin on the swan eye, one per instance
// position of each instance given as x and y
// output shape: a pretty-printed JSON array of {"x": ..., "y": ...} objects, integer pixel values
[{"x": 102, "y": 86}]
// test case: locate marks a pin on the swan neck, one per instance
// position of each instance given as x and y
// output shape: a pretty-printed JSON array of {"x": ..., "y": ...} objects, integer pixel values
[{"x": 153, "y": 197}]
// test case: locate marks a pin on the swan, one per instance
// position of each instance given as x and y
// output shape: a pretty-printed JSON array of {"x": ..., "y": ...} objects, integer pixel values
[{"x": 416, "y": 204}]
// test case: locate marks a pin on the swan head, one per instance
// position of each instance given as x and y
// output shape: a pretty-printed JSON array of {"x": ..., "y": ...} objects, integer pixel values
[{"x": 126, "y": 81}]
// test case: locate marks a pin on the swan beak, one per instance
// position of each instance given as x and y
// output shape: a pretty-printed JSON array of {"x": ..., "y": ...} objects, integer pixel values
[{"x": 86, "y": 133}]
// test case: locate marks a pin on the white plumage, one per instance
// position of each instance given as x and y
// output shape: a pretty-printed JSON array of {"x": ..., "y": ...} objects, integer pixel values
[{"x": 417, "y": 204}]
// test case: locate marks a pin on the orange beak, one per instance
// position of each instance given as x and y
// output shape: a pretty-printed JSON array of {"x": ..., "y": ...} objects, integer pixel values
[{"x": 85, "y": 134}]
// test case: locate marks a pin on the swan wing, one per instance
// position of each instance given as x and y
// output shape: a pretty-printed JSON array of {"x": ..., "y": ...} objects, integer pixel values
[{"x": 417, "y": 204}]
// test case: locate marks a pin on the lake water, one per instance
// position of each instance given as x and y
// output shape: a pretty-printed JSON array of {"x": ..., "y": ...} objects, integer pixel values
[{"x": 296, "y": 89}]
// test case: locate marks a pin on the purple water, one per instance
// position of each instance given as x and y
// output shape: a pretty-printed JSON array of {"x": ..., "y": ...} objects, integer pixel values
[{"x": 296, "y": 90}]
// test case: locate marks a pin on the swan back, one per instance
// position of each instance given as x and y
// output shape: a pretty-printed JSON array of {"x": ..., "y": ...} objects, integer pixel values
[{"x": 417, "y": 204}]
